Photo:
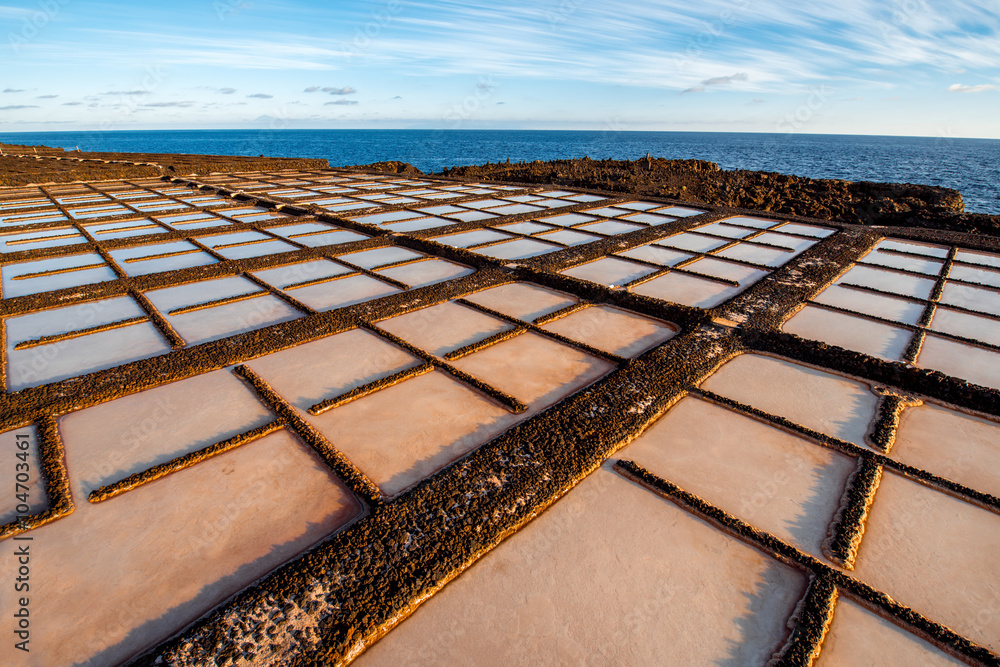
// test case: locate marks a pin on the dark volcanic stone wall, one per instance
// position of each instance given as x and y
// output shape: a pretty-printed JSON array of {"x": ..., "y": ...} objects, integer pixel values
[
  {"x": 697, "y": 181},
  {"x": 21, "y": 165}
]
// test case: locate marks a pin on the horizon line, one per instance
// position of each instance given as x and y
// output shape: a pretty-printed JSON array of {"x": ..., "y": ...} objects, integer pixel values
[{"x": 491, "y": 129}]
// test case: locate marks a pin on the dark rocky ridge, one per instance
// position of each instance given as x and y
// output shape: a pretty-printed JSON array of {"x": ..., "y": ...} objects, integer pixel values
[
  {"x": 694, "y": 181},
  {"x": 697, "y": 181},
  {"x": 22, "y": 165}
]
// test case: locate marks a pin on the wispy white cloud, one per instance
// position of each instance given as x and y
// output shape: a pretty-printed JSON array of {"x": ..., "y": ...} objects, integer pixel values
[
  {"x": 330, "y": 90},
  {"x": 683, "y": 36},
  {"x": 554, "y": 58},
  {"x": 959, "y": 88},
  {"x": 266, "y": 50},
  {"x": 717, "y": 81},
  {"x": 599, "y": 42},
  {"x": 726, "y": 80},
  {"x": 8, "y": 12},
  {"x": 168, "y": 105}
]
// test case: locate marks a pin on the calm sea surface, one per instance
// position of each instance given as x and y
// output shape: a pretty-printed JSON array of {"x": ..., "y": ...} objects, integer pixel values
[{"x": 971, "y": 166}]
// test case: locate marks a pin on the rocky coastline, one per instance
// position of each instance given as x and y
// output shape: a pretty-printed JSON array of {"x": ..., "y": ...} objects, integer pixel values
[{"x": 698, "y": 181}]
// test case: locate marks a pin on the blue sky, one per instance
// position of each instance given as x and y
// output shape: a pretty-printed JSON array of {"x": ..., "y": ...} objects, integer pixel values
[{"x": 913, "y": 67}]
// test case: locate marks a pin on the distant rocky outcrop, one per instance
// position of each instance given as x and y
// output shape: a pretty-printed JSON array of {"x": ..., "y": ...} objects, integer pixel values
[{"x": 390, "y": 167}]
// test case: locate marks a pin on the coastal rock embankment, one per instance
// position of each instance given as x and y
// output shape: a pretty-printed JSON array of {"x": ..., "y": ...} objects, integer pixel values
[
  {"x": 698, "y": 181},
  {"x": 22, "y": 165}
]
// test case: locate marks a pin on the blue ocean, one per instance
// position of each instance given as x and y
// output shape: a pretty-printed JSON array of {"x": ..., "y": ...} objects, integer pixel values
[{"x": 971, "y": 166}]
